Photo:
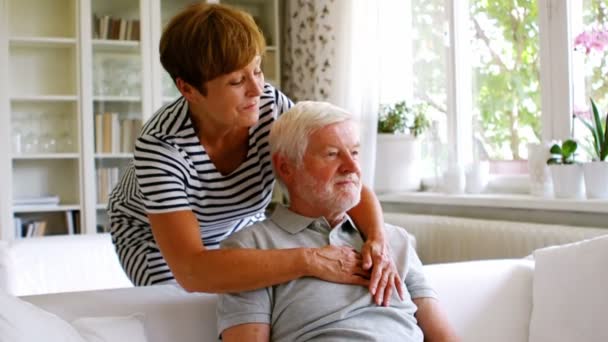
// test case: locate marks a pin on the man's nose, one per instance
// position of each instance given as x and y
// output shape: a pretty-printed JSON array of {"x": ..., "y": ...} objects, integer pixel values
[{"x": 350, "y": 164}]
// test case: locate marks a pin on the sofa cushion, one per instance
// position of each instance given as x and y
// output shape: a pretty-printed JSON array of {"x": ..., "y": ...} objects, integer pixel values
[
  {"x": 486, "y": 300},
  {"x": 21, "y": 321},
  {"x": 172, "y": 314},
  {"x": 571, "y": 293}
]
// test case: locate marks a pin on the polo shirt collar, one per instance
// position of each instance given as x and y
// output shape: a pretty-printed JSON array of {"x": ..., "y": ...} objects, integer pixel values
[{"x": 294, "y": 223}]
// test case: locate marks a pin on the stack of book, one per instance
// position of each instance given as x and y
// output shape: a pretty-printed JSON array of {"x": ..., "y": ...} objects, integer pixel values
[
  {"x": 29, "y": 228},
  {"x": 108, "y": 27},
  {"x": 106, "y": 180},
  {"x": 113, "y": 135}
]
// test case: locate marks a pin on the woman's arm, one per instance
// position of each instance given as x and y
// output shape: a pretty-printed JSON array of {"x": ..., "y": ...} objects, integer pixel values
[
  {"x": 234, "y": 270},
  {"x": 368, "y": 218},
  {"x": 251, "y": 332},
  {"x": 433, "y": 321}
]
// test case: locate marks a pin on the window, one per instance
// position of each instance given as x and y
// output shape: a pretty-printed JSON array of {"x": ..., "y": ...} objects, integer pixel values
[
  {"x": 589, "y": 70},
  {"x": 505, "y": 81},
  {"x": 496, "y": 73}
]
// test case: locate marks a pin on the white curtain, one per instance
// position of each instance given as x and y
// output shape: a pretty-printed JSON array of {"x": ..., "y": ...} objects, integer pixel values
[
  {"x": 352, "y": 53},
  {"x": 372, "y": 53}
]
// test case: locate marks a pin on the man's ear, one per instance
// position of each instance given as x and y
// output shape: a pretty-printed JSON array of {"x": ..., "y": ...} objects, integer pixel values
[
  {"x": 187, "y": 90},
  {"x": 283, "y": 167}
]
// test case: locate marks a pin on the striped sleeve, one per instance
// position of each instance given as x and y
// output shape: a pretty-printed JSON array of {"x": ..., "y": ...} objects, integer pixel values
[
  {"x": 162, "y": 175},
  {"x": 284, "y": 103}
]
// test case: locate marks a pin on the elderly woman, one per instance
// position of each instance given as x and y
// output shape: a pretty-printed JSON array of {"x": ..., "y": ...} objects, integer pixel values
[{"x": 202, "y": 171}]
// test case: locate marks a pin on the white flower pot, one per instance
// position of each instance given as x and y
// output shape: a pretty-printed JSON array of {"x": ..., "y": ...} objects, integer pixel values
[
  {"x": 397, "y": 163},
  {"x": 568, "y": 181},
  {"x": 596, "y": 179}
]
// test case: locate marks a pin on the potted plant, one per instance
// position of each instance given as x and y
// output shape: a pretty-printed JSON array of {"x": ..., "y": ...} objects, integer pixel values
[
  {"x": 398, "y": 146},
  {"x": 566, "y": 173},
  {"x": 596, "y": 171}
]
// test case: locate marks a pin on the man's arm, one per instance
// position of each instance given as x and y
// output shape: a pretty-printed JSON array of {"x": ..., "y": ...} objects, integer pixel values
[
  {"x": 433, "y": 321},
  {"x": 256, "y": 332}
]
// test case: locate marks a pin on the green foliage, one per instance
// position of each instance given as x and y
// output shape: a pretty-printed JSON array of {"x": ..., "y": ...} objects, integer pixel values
[
  {"x": 400, "y": 117},
  {"x": 563, "y": 154},
  {"x": 599, "y": 131}
]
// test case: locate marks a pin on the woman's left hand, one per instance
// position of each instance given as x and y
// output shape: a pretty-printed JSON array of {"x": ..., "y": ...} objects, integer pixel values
[{"x": 377, "y": 256}]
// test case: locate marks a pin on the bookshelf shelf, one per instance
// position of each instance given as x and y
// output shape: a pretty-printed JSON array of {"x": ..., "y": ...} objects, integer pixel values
[
  {"x": 43, "y": 98},
  {"x": 46, "y": 156},
  {"x": 113, "y": 155},
  {"x": 110, "y": 45},
  {"x": 20, "y": 209},
  {"x": 133, "y": 99},
  {"x": 47, "y": 42}
]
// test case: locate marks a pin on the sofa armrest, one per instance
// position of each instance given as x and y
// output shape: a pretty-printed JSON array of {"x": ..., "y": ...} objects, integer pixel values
[
  {"x": 170, "y": 313},
  {"x": 488, "y": 300}
]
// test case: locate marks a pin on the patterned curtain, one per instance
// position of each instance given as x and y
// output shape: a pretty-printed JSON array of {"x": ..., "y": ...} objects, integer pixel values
[{"x": 308, "y": 56}]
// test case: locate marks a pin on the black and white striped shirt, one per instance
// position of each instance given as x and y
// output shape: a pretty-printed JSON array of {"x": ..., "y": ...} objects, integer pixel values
[{"x": 171, "y": 171}]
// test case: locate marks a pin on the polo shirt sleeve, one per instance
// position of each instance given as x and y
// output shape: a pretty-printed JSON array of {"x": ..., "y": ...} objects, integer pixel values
[
  {"x": 415, "y": 280},
  {"x": 247, "y": 306},
  {"x": 162, "y": 175}
]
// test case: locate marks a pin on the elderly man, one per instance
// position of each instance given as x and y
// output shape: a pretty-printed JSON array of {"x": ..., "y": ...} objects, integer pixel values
[{"x": 315, "y": 149}]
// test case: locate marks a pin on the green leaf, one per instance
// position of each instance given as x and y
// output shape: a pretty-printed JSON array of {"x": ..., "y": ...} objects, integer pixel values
[
  {"x": 598, "y": 125},
  {"x": 555, "y": 149},
  {"x": 604, "y": 149},
  {"x": 568, "y": 148},
  {"x": 596, "y": 144}
]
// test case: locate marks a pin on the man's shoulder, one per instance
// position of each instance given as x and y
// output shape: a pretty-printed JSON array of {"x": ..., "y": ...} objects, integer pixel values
[
  {"x": 398, "y": 235},
  {"x": 253, "y": 236}
]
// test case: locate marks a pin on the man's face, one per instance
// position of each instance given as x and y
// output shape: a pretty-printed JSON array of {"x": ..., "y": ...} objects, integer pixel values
[{"x": 329, "y": 179}]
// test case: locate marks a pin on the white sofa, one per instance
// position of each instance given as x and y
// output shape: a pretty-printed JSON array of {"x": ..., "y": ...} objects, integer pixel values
[
  {"x": 88, "y": 262},
  {"x": 485, "y": 301},
  {"x": 60, "y": 264}
]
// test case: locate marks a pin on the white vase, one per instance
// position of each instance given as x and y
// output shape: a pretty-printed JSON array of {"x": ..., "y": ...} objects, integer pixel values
[
  {"x": 568, "y": 181},
  {"x": 540, "y": 177},
  {"x": 596, "y": 179},
  {"x": 477, "y": 177},
  {"x": 397, "y": 163},
  {"x": 454, "y": 179}
]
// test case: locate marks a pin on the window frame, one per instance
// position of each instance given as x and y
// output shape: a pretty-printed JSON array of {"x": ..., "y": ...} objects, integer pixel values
[{"x": 554, "y": 20}]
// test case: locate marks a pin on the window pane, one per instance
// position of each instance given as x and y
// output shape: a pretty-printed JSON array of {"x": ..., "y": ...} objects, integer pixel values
[
  {"x": 589, "y": 70},
  {"x": 429, "y": 61},
  {"x": 506, "y": 85}
]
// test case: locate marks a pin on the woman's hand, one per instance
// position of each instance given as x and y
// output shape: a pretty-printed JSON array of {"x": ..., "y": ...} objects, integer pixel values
[
  {"x": 338, "y": 264},
  {"x": 377, "y": 258}
]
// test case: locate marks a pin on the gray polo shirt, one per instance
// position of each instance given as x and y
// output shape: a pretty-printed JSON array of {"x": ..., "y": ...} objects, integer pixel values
[{"x": 308, "y": 308}]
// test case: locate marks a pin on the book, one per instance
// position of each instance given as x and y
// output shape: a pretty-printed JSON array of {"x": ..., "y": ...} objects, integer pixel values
[{"x": 69, "y": 222}]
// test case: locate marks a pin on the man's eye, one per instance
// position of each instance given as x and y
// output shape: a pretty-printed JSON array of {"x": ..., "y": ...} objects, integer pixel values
[
  {"x": 332, "y": 154},
  {"x": 258, "y": 72},
  {"x": 237, "y": 82},
  {"x": 355, "y": 152}
]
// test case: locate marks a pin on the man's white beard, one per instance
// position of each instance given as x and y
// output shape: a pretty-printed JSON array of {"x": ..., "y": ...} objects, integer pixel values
[{"x": 325, "y": 196}]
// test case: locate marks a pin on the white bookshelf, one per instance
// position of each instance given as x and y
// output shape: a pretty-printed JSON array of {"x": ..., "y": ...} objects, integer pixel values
[{"x": 58, "y": 75}]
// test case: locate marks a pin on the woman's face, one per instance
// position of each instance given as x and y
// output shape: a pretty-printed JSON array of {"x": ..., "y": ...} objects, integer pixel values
[{"x": 233, "y": 99}]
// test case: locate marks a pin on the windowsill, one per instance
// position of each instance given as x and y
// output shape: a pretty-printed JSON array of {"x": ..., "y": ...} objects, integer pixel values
[{"x": 509, "y": 201}]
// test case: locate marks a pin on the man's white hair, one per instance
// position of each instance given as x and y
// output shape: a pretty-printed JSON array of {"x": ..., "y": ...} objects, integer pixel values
[{"x": 290, "y": 132}]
